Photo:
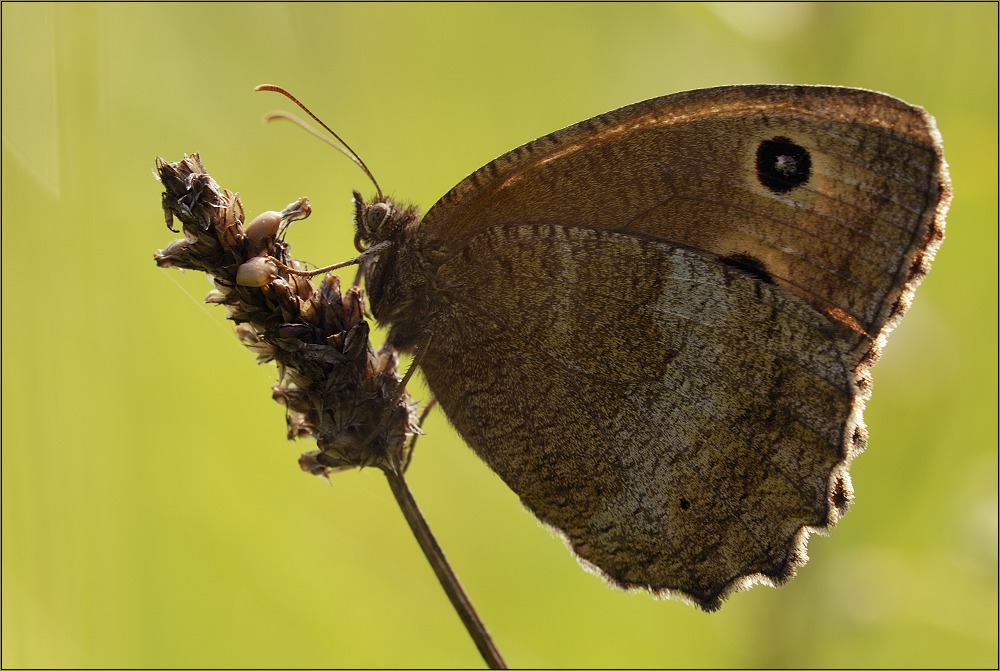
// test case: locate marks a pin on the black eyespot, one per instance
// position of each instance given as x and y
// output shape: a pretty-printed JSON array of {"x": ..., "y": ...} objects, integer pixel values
[
  {"x": 782, "y": 165},
  {"x": 685, "y": 504},
  {"x": 749, "y": 264}
]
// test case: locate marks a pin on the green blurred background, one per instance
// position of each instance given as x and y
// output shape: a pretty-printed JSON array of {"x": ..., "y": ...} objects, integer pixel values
[{"x": 153, "y": 513}]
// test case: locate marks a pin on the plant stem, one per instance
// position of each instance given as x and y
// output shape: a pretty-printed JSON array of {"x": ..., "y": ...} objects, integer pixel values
[{"x": 447, "y": 577}]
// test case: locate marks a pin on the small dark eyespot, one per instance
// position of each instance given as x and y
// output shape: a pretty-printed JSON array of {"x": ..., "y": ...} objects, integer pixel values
[
  {"x": 782, "y": 165},
  {"x": 749, "y": 264},
  {"x": 685, "y": 504}
]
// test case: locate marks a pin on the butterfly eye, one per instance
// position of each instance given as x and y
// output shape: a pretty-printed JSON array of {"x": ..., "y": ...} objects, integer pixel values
[{"x": 376, "y": 216}]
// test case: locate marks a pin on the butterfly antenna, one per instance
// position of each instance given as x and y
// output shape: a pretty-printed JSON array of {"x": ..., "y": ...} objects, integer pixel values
[{"x": 343, "y": 148}]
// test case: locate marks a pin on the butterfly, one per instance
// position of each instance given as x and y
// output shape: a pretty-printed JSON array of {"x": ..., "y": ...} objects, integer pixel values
[{"x": 656, "y": 325}]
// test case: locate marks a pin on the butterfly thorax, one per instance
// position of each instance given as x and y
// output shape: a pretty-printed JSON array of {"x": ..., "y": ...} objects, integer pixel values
[{"x": 395, "y": 276}]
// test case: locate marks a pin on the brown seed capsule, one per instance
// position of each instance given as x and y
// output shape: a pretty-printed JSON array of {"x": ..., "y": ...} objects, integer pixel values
[
  {"x": 267, "y": 226},
  {"x": 262, "y": 230},
  {"x": 257, "y": 272}
]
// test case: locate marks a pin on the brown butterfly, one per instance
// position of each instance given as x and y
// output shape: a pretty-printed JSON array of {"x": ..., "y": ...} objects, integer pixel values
[{"x": 656, "y": 325}]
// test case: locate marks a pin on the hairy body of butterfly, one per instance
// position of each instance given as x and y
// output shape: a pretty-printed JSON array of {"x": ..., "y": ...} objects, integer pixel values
[{"x": 656, "y": 325}]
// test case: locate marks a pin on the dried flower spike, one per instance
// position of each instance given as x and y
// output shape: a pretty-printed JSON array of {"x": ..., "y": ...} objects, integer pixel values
[{"x": 335, "y": 387}]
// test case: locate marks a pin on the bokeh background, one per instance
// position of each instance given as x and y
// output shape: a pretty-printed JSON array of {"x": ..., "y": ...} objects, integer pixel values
[{"x": 153, "y": 512}]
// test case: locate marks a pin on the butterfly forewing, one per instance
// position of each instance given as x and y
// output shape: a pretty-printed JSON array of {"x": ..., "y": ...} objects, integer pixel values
[{"x": 684, "y": 169}]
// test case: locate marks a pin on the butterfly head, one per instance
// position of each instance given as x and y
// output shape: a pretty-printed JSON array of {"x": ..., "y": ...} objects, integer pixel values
[
  {"x": 381, "y": 220},
  {"x": 384, "y": 230}
]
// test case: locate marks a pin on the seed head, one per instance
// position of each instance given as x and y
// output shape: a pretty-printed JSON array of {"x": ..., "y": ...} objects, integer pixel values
[{"x": 335, "y": 387}]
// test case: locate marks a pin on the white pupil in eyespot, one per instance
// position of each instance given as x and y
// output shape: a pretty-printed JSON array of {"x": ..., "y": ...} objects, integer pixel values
[{"x": 786, "y": 165}]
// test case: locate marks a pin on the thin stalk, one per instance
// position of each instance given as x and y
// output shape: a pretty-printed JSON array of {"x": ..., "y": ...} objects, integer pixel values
[{"x": 447, "y": 577}]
